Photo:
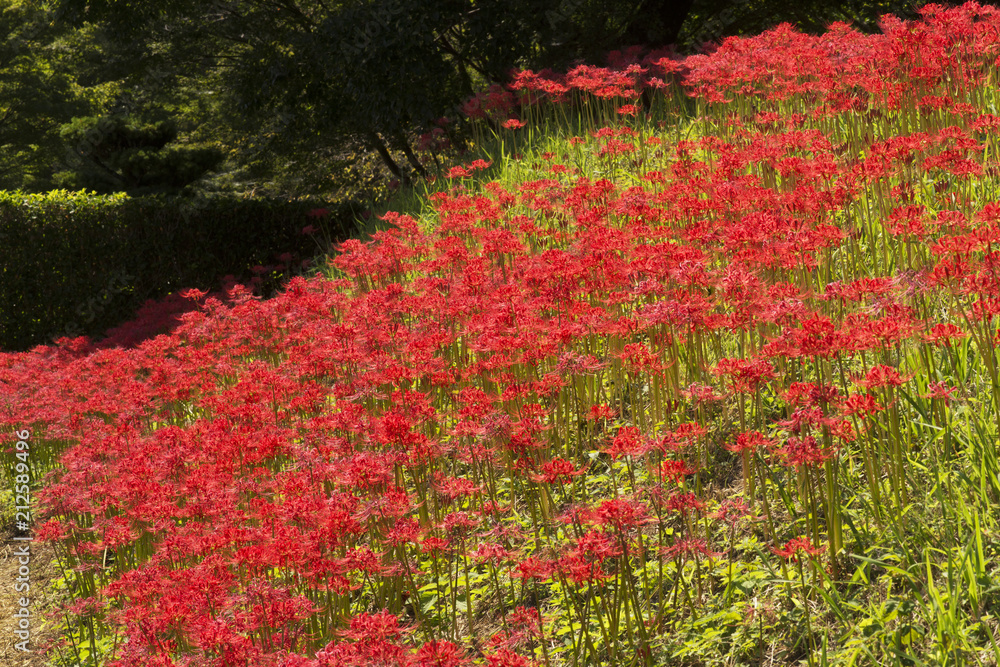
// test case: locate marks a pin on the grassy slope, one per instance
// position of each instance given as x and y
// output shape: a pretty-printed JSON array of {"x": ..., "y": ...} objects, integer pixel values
[{"x": 632, "y": 305}]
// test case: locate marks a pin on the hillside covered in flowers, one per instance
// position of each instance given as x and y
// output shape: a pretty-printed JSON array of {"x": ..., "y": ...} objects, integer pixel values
[{"x": 700, "y": 369}]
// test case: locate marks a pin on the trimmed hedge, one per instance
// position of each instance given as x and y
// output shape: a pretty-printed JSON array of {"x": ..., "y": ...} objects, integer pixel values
[{"x": 74, "y": 264}]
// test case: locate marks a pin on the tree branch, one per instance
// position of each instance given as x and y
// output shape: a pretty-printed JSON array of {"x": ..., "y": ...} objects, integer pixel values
[{"x": 462, "y": 60}]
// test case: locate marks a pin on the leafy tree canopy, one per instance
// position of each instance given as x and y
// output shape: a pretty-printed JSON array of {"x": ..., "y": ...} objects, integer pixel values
[
  {"x": 298, "y": 86},
  {"x": 110, "y": 155},
  {"x": 37, "y": 92}
]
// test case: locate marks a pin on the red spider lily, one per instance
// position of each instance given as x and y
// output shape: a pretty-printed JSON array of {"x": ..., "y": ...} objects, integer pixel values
[
  {"x": 859, "y": 289},
  {"x": 732, "y": 511},
  {"x": 504, "y": 657},
  {"x": 491, "y": 508},
  {"x": 434, "y": 545},
  {"x": 452, "y": 488},
  {"x": 89, "y": 606},
  {"x": 621, "y": 514},
  {"x": 601, "y": 412},
  {"x": 595, "y": 547},
  {"x": 478, "y": 165},
  {"x": 440, "y": 653},
  {"x": 579, "y": 570},
  {"x": 493, "y": 553},
  {"x": 861, "y": 404},
  {"x": 750, "y": 441},
  {"x": 615, "y": 147},
  {"x": 809, "y": 394},
  {"x": 496, "y": 102},
  {"x": 380, "y": 626},
  {"x": 534, "y": 568},
  {"x": 685, "y": 435},
  {"x": 796, "y": 546},
  {"x": 627, "y": 442},
  {"x": 700, "y": 393},
  {"x": 745, "y": 375},
  {"x": 193, "y": 294},
  {"x": 688, "y": 548},
  {"x": 527, "y": 621},
  {"x": 683, "y": 503},
  {"x": 883, "y": 376},
  {"x": 459, "y": 523},
  {"x": 675, "y": 471},
  {"x": 359, "y": 654},
  {"x": 804, "y": 451},
  {"x": 335, "y": 444},
  {"x": 940, "y": 390},
  {"x": 640, "y": 358},
  {"x": 558, "y": 471},
  {"x": 944, "y": 334},
  {"x": 816, "y": 338},
  {"x": 403, "y": 531},
  {"x": 907, "y": 221}
]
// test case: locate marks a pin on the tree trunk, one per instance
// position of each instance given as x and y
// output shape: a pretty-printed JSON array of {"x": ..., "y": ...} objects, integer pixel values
[
  {"x": 383, "y": 153},
  {"x": 411, "y": 157}
]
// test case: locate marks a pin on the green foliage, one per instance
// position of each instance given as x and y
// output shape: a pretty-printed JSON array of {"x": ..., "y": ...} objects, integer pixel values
[
  {"x": 113, "y": 155},
  {"x": 76, "y": 263},
  {"x": 317, "y": 85},
  {"x": 302, "y": 94},
  {"x": 37, "y": 93},
  {"x": 711, "y": 20}
]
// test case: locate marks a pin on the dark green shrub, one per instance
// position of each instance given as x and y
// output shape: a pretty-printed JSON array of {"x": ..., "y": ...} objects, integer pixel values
[{"x": 76, "y": 263}]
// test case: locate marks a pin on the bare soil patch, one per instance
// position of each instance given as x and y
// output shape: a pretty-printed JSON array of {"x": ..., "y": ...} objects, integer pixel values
[{"x": 43, "y": 572}]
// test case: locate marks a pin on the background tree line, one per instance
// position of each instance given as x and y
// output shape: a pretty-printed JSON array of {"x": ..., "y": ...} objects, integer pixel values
[{"x": 296, "y": 97}]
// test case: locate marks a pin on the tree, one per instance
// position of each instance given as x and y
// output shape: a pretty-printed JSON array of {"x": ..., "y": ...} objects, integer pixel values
[
  {"x": 325, "y": 78},
  {"x": 710, "y": 21},
  {"x": 374, "y": 71},
  {"x": 36, "y": 93},
  {"x": 110, "y": 154}
]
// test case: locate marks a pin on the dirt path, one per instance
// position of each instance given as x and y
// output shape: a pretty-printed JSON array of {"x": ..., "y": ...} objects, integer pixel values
[{"x": 42, "y": 571}]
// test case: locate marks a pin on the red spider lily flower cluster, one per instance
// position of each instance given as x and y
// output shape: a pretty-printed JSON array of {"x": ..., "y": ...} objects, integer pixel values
[
  {"x": 508, "y": 420},
  {"x": 797, "y": 546}
]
